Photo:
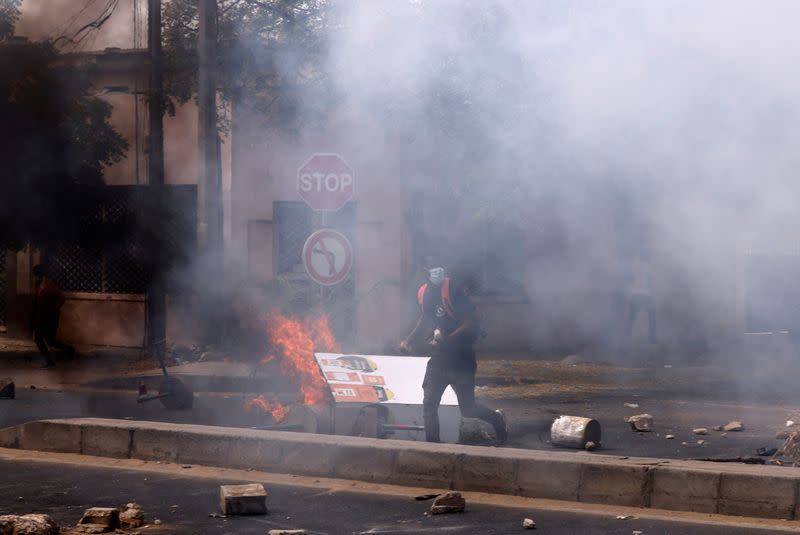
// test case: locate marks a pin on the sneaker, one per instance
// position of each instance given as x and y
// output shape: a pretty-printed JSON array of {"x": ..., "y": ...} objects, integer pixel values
[{"x": 502, "y": 434}]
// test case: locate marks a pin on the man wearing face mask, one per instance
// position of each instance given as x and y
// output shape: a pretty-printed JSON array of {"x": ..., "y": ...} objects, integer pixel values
[{"x": 449, "y": 313}]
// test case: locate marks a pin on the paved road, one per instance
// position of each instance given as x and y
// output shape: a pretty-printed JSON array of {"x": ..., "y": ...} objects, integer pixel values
[
  {"x": 529, "y": 422},
  {"x": 183, "y": 504}
]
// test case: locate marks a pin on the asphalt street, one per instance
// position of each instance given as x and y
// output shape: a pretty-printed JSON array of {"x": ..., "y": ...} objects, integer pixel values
[
  {"x": 184, "y": 503},
  {"x": 529, "y": 421}
]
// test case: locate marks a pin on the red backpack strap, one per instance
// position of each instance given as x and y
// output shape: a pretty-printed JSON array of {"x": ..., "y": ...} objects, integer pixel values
[
  {"x": 446, "y": 302},
  {"x": 421, "y": 293}
]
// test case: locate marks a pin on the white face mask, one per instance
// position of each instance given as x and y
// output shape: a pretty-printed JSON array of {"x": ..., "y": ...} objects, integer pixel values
[{"x": 436, "y": 276}]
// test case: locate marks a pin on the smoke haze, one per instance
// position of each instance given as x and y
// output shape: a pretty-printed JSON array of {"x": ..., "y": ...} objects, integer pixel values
[{"x": 591, "y": 131}]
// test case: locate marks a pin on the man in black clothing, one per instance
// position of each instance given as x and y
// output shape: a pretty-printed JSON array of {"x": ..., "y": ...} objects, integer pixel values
[{"x": 449, "y": 313}]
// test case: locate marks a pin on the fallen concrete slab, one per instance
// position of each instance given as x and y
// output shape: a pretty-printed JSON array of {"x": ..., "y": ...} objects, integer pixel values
[{"x": 744, "y": 490}]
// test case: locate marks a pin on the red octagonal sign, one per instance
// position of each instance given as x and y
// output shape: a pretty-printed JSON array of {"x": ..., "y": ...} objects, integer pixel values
[{"x": 325, "y": 182}]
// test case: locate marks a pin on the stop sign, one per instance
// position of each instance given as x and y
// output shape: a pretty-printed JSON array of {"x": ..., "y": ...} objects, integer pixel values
[{"x": 325, "y": 182}]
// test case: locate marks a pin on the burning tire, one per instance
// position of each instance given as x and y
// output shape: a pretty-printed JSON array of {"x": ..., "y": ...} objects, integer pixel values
[{"x": 176, "y": 396}]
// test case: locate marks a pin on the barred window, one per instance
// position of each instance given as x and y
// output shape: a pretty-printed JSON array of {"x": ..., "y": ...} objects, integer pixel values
[{"x": 122, "y": 265}]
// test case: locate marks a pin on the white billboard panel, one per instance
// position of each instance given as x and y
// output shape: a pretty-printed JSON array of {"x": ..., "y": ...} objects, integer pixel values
[{"x": 377, "y": 378}]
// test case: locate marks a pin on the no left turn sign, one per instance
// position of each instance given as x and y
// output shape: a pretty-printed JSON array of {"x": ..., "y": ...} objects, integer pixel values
[{"x": 327, "y": 257}]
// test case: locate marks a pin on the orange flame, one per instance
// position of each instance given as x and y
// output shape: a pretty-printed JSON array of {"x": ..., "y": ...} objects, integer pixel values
[
  {"x": 295, "y": 342},
  {"x": 278, "y": 411}
]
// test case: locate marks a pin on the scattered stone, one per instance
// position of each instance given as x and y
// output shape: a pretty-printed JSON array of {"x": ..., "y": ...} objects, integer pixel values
[
  {"x": 624, "y": 517},
  {"x": 700, "y": 431},
  {"x": 33, "y": 524},
  {"x": 640, "y": 422},
  {"x": 701, "y": 442},
  {"x": 423, "y": 497},
  {"x": 106, "y": 518},
  {"x": 287, "y": 532},
  {"x": 7, "y": 388},
  {"x": 789, "y": 423},
  {"x": 631, "y": 405},
  {"x": 723, "y": 435},
  {"x": 590, "y": 446},
  {"x": 684, "y": 444},
  {"x": 636, "y": 532},
  {"x": 791, "y": 448},
  {"x": 243, "y": 499},
  {"x": 157, "y": 522},
  {"x": 216, "y": 515},
  {"x": 449, "y": 502},
  {"x": 92, "y": 529},
  {"x": 717, "y": 428},
  {"x": 131, "y": 516},
  {"x": 528, "y": 524},
  {"x": 732, "y": 426},
  {"x": 669, "y": 437}
]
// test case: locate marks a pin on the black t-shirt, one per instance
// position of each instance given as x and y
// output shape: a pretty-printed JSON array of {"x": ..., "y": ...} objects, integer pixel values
[{"x": 457, "y": 353}]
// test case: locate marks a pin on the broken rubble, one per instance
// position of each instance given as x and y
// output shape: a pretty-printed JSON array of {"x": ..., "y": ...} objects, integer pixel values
[
  {"x": 791, "y": 448},
  {"x": 700, "y": 431},
  {"x": 33, "y": 524},
  {"x": 449, "y": 502},
  {"x": 131, "y": 516},
  {"x": 243, "y": 499},
  {"x": 105, "y": 517},
  {"x": 528, "y": 524},
  {"x": 733, "y": 426},
  {"x": 92, "y": 529},
  {"x": 669, "y": 437},
  {"x": 640, "y": 422},
  {"x": 287, "y": 532}
]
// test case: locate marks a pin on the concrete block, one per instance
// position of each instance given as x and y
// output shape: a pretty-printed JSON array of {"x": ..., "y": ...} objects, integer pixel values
[
  {"x": 51, "y": 435},
  {"x": 106, "y": 441},
  {"x": 681, "y": 489},
  {"x": 9, "y": 437},
  {"x": 243, "y": 499},
  {"x": 486, "y": 473},
  {"x": 258, "y": 454},
  {"x": 614, "y": 484},
  {"x": 311, "y": 459},
  {"x": 549, "y": 479},
  {"x": 758, "y": 495},
  {"x": 107, "y": 517},
  {"x": 365, "y": 463},
  {"x": 449, "y": 502},
  {"x": 151, "y": 444},
  {"x": 209, "y": 450},
  {"x": 424, "y": 467}
]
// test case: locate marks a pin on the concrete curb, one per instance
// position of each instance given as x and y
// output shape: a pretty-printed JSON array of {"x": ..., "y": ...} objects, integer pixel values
[{"x": 741, "y": 490}]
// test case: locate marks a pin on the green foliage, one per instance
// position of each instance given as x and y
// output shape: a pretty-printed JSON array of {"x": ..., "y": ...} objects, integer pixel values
[
  {"x": 55, "y": 139},
  {"x": 270, "y": 54},
  {"x": 9, "y": 13}
]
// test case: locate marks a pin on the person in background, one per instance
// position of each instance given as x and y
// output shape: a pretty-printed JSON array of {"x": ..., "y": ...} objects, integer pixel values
[
  {"x": 448, "y": 312},
  {"x": 640, "y": 297},
  {"x": 46, "y": 314}
]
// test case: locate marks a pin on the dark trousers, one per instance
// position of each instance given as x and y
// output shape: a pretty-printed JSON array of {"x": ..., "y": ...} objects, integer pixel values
[
  {"x": 45, "y": 335},
  {"x": 463, "y": 382},
  {"x": 635, "y": 304}
]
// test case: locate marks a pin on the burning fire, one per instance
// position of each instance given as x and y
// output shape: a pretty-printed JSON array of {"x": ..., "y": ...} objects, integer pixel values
[
  {"x": 278, "y": 411},
  {"x": 294, "y": 342}
]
